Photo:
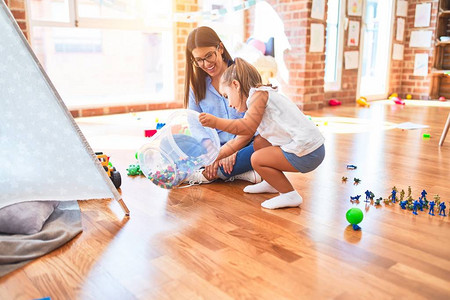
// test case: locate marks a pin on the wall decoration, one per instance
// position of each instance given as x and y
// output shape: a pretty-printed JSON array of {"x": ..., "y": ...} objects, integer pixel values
[
  {"x": 317, "y": 38},
  {"x": 421, "y": 64},
  {"x": 318, "y": 9},
  {"x": 420, "y": 38},
  {"x": 402, "y": 8},
  {"x": 397, "y": 53},
  {"x": 422, "y": 17},
  {"x": 351, "y": 60},
  {"x": 354, "y": 8},
  {"x": 353, "y": 33},
  {"x": 400, "y": 29}
]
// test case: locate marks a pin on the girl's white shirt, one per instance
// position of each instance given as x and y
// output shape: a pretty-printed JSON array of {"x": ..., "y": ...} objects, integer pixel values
[{"x": 284, "y": 124}]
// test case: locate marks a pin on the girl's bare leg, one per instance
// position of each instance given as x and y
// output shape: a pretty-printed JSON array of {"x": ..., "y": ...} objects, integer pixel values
[{"x": 270, "y": 163}]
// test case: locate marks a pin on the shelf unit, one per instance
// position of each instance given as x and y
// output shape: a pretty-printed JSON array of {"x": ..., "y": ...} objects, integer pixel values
[{"x": 440, "y": 83}]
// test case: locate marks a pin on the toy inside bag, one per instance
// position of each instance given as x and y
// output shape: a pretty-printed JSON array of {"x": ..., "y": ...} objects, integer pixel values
[{"x": 178, "y": 150}]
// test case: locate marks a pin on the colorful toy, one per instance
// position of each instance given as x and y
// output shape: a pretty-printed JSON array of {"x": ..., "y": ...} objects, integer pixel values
[
  {"x": 378, "y": 201},
  {"x": 113, "y": 174},
  {"x": 344, "y": 179},
  {"x": 392, "y": 197},
  {"x": 442, "y": 208},
  {"x": 355, "y": 198},
  {"x": 393, "y": 95},
  {"x": 431, "y": 211},
  {"x": 334, "y": 102},
  {"x": 362, "y": 101},
  {"x": 403, "y": 204},
  {"x": 356, "y": 181},
  {"x": 398, "y": 100},
  {"x": 409, "y": 96},
  {"x": 415, "y": 204},
  {"x": 442, "y": 98},
  {"x": 150, "y": 132},
  {"x": 354, "y": 216},
  {"x": 426, "y": 136},
  {"x": 134, "y": 170},
  {"x": 351, "y": 167}
]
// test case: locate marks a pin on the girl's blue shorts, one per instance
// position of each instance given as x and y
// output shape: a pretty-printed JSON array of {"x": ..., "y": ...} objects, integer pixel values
[{"x": 308, "y": 162}]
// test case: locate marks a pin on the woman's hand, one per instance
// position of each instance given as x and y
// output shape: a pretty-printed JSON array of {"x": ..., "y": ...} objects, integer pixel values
[
  {"x": 207, "y": 120},
  {"x": 227, "y": 163}
]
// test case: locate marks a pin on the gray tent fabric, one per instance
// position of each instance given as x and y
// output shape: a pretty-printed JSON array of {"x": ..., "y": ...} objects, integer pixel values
[{"x": 17, "y": 250}]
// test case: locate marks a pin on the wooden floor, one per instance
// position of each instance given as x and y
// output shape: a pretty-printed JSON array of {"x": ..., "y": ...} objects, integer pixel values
[{"x": 215, "y": 242}]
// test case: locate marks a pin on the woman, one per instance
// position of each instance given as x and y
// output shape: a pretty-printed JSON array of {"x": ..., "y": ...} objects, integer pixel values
[{"x": 206, "y": 60}]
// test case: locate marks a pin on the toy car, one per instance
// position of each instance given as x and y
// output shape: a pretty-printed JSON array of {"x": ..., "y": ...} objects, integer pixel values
[
  {"x": 113, "y": 174},
  {"x": 351, "y": 167}
]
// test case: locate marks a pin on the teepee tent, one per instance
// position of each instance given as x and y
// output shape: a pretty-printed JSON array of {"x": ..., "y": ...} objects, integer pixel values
[{"x": 43, "y": 154}]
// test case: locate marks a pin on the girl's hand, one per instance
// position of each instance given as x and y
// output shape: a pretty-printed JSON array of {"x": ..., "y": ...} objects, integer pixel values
[
  {"x": 211, "y": 171},
  {"x": 228, "y": 163},
  {"x": 207, "y": 120}
]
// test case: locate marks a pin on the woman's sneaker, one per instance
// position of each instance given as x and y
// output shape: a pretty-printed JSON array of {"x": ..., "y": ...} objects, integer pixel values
[
  {"x": 197, "y": 178},
  {"x": 250, "y": 176}
]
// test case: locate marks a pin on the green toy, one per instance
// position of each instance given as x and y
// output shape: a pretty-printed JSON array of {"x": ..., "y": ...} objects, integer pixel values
[
  {"x": 134, "y": 170},
  {"x": 354, "y": 216}
]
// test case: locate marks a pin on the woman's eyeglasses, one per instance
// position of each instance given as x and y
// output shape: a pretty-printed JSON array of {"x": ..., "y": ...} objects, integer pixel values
[{"x": 209, "y": 57}]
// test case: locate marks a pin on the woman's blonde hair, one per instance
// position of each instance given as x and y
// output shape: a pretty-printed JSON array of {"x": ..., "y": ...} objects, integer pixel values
[{"x": 243, "y": 72}]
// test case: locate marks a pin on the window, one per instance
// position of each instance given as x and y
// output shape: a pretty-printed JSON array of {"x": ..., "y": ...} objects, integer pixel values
[
  {"x": 334, "y": 45},
  {"x": 105, "y": 53}
]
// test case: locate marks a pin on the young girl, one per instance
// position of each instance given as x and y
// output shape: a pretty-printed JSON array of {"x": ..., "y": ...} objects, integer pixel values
[{"x": 287, "y": 140}]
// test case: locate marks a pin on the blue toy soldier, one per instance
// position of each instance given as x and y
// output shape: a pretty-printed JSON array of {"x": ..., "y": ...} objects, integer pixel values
[
  {"x": 367, "y": 192},
  {"x": 415, "y": 204},
  {"x": 424, "y": 195},
  {"x": 442, "y": 208},
  {"x": 420, "y": 204},
  {"x": 393, "y": 194},
  {"x": 431, "y": 211},
  {"x": 403, "y": 204}
]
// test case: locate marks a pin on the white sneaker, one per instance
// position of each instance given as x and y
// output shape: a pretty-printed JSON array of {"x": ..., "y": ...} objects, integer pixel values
[
  {"x": 250, "y": 176},
  {"x": 197, "y": 178}
]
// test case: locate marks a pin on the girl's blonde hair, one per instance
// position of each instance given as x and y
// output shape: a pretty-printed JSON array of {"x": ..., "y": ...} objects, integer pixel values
[{"x": 244, "y": 73}]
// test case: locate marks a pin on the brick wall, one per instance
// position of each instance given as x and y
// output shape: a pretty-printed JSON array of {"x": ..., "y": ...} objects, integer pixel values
[
  {"x": 306, "y": 70},
  {"x": 18, "y": 10},
  {"x": 418, "y": 86}
]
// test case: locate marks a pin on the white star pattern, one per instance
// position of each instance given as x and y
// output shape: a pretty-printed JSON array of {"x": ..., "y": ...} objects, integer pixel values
[{"x": 41, "y": 155}]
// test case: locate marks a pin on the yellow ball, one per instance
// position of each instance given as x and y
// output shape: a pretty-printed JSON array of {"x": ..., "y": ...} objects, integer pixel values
[{"x": 409, "y": 97}]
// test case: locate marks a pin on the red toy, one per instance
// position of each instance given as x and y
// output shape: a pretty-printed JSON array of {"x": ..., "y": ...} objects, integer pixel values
[
  {"x": 334, "y": 102},
  {"x": 442, "y": 98},
  {"x": 398, "y": 100},
  {"x": 150, "y": 132}
]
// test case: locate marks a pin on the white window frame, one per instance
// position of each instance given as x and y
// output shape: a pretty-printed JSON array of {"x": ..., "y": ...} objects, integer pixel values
[
  {"x": 336, "y": 85},
  {"x": 137, "y": 24}
]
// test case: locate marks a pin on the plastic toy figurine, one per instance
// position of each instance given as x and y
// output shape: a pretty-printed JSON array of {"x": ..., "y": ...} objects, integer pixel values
[
  {"x": 402, "y": 194},
  {"x": 354, "y": 216},
  {"x": 351, "y": 167},
  {"x": 409, "y": 197},
  {"x": 424, "y": 194},
  {"x": 378, "y": 200},
  {"x": 356, "y": 181},
  {"x": 420, "y": 204},
  {"x": 355, "y": 198},
  {"x": 362, "y": 101},
  {"x": 431, "y": 211},
  {"x": 344, "y": 179},
  {"x": 415, "y": 204},
  {"x": 392, "y": 197},
  {"x": 403, "y": 204},
  {"x": 398, "y": 100},
  {"x": 134, "y": 170},
  {"x": 113, "y": 174},
  {"x": 442, "y": 208},
  {"x": 334, "y": 102}
]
